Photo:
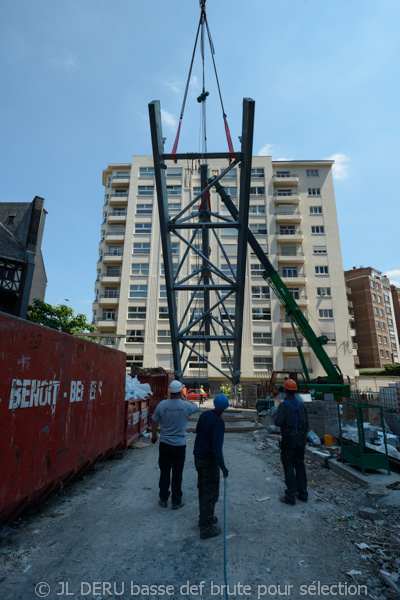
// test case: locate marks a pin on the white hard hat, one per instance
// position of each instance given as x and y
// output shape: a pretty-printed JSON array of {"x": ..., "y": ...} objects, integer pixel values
[{"x": 175, "y": 386}]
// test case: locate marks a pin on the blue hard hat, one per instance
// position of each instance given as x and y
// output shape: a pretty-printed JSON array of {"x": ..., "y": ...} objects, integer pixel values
[{"x": 221, "y": 402}]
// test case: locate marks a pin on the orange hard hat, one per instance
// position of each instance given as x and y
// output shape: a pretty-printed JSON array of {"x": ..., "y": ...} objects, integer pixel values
[{"x": 290, "y": 384}]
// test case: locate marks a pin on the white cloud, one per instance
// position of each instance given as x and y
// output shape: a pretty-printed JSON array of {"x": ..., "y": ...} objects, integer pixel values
[
  {"x": 174, "y": 87},
  {"x": 341, "y": 167},
  {"x": 266, "y": 150},
  {"x": 394, "y": 277},
  {"x": 284, "y": 159},
  {"x": 194, "y": 82},
  {"x": 168, "y": 119}
]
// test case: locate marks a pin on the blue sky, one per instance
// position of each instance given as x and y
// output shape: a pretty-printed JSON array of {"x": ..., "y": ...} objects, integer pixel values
[{"x": 77, "y": 77}]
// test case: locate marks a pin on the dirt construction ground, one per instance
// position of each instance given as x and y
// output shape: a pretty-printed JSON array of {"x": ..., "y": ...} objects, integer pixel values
[{"x": 105, "y": 536}]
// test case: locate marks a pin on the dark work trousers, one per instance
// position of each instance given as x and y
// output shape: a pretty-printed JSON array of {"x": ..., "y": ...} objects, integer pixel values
[
  {"x": 292, "y": 452},
  {"x": 171, "y": 457},
  {"x": 208, "y": 485}
]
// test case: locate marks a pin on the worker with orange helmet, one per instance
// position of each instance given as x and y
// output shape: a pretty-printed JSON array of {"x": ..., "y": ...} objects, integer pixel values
[{"x": 292, "y": 418}]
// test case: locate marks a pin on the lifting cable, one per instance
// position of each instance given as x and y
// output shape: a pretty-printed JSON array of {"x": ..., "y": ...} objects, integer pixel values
[{"x": 202, "y": 98}]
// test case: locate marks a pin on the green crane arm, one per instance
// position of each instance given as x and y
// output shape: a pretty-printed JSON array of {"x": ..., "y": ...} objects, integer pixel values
[{"x": 333, "y": 372}]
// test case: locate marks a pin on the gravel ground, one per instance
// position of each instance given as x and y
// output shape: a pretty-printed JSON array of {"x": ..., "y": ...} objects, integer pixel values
[{"x": 106, "y": 537}]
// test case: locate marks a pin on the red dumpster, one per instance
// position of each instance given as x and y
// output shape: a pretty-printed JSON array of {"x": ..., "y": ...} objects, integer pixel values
[
  {"x": 159, "y": 383},
  {"x": 62, "y": 409},
  {"x": 132, "y": 421}
]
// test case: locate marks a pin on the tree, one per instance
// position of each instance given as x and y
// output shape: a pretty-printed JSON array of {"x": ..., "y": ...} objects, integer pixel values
[{"x": 59, "y": 317}]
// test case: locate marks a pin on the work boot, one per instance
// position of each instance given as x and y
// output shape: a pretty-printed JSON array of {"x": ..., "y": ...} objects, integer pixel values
[
  {"x": 286, "y": 501},
  {"x": 214, "y": 520},
  {"x": 162, "y": 503},
  {"x": 176, "y": 506},
  {"x": 213, "y": 531},
  {"x": 302, "y": 498}
]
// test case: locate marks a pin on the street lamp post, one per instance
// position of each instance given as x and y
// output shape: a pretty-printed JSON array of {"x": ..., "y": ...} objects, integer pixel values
[{"x": 62, "y": 300}]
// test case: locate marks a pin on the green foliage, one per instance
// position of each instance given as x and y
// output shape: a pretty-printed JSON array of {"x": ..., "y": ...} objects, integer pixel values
[
  {"x": 392, "y": 369},
  {"x": 373, "y": 373},
  {"x": 59, "y": 317}
]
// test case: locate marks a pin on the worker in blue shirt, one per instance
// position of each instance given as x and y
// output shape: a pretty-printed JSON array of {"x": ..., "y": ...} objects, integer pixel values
[
  {"x": 292, "y": 418},
  {"x": 209, "y": 460}
]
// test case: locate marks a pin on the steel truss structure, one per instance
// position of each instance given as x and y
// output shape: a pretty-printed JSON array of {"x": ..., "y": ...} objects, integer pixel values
[{"x": 206, "y": 318}]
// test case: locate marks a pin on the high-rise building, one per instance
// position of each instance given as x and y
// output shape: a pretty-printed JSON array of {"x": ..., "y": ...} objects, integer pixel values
[
  {"x": 374, "y": 318},
  {"x": 395, "y": 291},
  {"x": 293, "y": 216}
]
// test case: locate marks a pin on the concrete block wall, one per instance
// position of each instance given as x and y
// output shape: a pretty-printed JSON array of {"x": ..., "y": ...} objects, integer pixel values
[{"x": 323, "y": 418}]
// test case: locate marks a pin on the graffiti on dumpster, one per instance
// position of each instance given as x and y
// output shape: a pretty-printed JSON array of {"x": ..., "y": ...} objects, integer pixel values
[{"x": 28, "y": 393}]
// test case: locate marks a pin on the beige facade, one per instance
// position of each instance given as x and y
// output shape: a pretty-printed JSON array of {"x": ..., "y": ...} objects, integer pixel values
[{"x": 293, "y": 215}]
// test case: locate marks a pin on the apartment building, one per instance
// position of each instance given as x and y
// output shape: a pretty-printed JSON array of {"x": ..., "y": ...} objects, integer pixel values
[
  {"x": 395, "y": 292},
  {"x": 293, "y": 216},
  {"x": 374, "y": 318}
]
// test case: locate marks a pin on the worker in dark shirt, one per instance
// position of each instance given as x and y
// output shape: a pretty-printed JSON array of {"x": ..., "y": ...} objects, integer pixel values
[
  {"x": 209, "y": 459},
  {"x": 292, "y": 418}
]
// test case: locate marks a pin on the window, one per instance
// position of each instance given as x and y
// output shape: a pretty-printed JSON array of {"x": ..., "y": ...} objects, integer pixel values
[
  {"x": 107, "y": 199},
  {"x": 108, "y": 182},
  {"x": 113, "y": 272},
  {"x": 174, "y": 190},
  {"x": 232, "y": 173},
  {"x": 262, "y": 338},
  {"x": 229, "y": 231},
  {"x": 229, "y": 311},
  {"x": 257, "y": 210},
  {"x": 140, "y": 269},
  {"x": 377, "y": 285},
  {"x": 381, "y": 312},
  {"x": 312, "y": 172},
  {"x": 197, "y": 364},
  {"x": 386, "y": 298},
  {"x": 258, "y": 229},
  {"x": 256, "y": 270},
  {"x": 390, "y": 321},
  {"x": 317, "y": 229},
  {"x": 134, "y": 360},
  {"x": 391, "y": 333},
  {"x": 385, "y": 339},
  {"x": 142, "y": 228},
  {"x": 263, "y": 363},
  {"x": 314, "y": 191},
  {"x": 121, "y": 193},
  {"x": 145, "y": 190},
  {"x": 103, "y": 235},
  {"x": 109, "y": 315},
  {"x": 372, "y": 283},
  {"x": 174, "y": 172},
  {"x": 163, "y": 292},
  {"x": 325, "y": 313},
  {"x": 294, "y": 292},
  {"x": 174, "y": 208},
  {"x": 387, "y": 354},
  {"x": 227, "y": 271},
  {"x": 174, "y": 248},
  {"x": 289, "y": 272},
  {"x": 136, "y": 312},
  {"x": 283, "y": 173},
  {"x": 257, "y": 191},
  {"x": 261, "y": 314},
  {"x": 380, "y": 339},
  {"x": 383, "y": 326},
  {"x": 378, "y": 324},
  {"x": 163, "y": 312},
  {"x": 321, "y": 270},
  {"x": 382, "y": 354},
  {"x": 138, "y": 291},
  {"x": 198, "y": 247},
  {"x": 163, "y": 337},
  {"x": 257, "y": 172},
  {"x": 388, "y": 309},
  {"x": 105, "y": 217},
  {"x": 122, "y": 175},
  {"x": 111, "y": 292},
  {"x": 109, "y": 341},
  {"x": 287, "y": 230},
  {"x": 260, "y": 292},
  {"x": 379, "y": 299},
  {"x": 315, "y": 210},
  {"x": 135, "y": 335},
  {"x": 319, "y": 250},
  {"x": 323, "y": 291},
  {"x": 376, "y": 310},
  {"x": 374, "y": 297},
  {"x": 284, "y": 192},
  {"x": 146, "y": 171},
  {"x": 144, "y": 209},
  {"x": 141, "y": 248},
  {"x": 231, "y": 191}
]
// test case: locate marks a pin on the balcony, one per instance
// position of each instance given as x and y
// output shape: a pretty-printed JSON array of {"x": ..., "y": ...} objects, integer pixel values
[
  {"x": 110, "y": 279},
  {"x": 286, "y": 198},
  {"x": 116, "y": 217},
  {"x": 289, "y": 179},
  {"x": 355, "y": 346},
  {"x": 118, "y": 200},
  {"x": 292, "y": 350},
  {"x": 288, "y": 217},
  {"x": 349, "y": 304},
  {"x": 114, "y": 238},
  {"x": 356, "y": 360},
  {"x": 299, "y": 279},
  {"x": 298, "y": 258},
  {"x": 106, "y": 300},
  {"x": 289, "y": 238},
  {"x": 120, "y": 180},
  {"x": 107, "y": 324},
  {"x": 112, "y": 259},
  {"x": 348, "y": 291},
  {"x": 286, "y": 325}
]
